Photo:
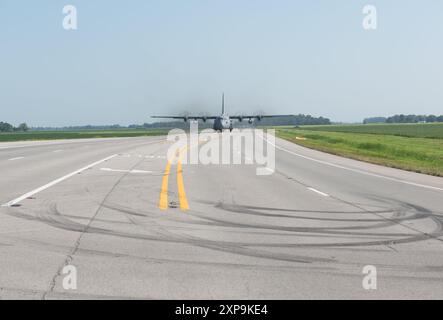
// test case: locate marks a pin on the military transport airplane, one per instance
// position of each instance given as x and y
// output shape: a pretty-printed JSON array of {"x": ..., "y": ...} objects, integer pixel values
[{"x": 223, "y": 121}]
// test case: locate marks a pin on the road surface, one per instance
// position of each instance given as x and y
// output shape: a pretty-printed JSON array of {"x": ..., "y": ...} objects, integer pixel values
[{"x": 135, "y": 227}]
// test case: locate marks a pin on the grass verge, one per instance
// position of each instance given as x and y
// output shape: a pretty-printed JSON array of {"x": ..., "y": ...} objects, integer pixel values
[{"x": 423, "y": 155}]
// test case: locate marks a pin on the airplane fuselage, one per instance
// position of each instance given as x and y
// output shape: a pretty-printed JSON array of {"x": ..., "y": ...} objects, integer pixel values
[{"x": 222, "y": 122}]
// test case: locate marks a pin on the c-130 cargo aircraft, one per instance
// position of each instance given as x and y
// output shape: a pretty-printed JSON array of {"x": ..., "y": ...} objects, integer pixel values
[{"x": 223, "y": 121}]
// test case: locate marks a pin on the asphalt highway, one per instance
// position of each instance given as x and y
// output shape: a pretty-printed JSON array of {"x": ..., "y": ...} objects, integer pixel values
[{"x": 135, "y": 226}]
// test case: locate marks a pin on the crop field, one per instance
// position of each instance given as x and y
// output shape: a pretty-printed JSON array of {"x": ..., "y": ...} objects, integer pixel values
[
  {"x": 419, "y": 130},
  {"x": 55, "y": 135},
  {"x": 402, "y": 148}
]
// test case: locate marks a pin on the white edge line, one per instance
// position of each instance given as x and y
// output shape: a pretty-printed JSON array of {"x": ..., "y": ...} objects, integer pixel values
[
  {"x": 319, "y": 192},
  {"x": 354, "y": 170},
  {"x": 17, "y": 158},
  {"x": 53, "y": 183}
]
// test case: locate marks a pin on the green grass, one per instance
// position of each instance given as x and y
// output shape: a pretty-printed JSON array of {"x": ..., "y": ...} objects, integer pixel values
[
  {"x": 424, "y": 155},
  {"x": 56, "y": 135},
  {"x": 420, "y": 130}
]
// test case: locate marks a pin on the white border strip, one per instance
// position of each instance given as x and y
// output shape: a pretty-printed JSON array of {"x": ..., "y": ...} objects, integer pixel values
[
  {"x": 53, "y": 183},
  {"x": 354, "y": 170}
]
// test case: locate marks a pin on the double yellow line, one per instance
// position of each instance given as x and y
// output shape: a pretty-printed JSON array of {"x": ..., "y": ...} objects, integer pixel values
[{"x": 163, "y": 202}]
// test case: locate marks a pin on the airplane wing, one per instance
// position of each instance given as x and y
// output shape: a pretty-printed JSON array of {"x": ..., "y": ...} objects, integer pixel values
[
  {"x": 186, "y": 118},
  {"x": 259, "y": 117}
]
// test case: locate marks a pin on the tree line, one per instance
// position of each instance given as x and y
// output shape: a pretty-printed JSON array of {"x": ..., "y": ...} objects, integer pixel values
[
  {"x": 296, "y": 120},
  {"x": 405, "y": 118},
  {"x": 7, "y": 127}
]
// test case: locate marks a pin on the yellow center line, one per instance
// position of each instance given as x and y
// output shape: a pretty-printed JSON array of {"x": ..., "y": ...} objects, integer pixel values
[
  {"x": 163, "y": 202},
  {"x": 184, "y": 205},
  {"x": 181, "y": 187}
]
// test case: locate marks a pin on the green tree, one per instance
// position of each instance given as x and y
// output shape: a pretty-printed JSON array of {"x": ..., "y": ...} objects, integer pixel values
[
  {"x": 6, "y": 127},
  {"x": 23, "y": 127}
]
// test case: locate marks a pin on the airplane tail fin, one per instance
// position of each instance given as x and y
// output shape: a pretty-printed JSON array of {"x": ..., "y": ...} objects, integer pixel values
[{"x": 223, "y": 103}]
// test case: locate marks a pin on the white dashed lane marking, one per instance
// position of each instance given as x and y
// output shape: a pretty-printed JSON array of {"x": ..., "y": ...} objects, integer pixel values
[
  {"x": 53, "y": 183},
  {"x": 319, "y": 192},
  {"x": 122, "y": 170}
]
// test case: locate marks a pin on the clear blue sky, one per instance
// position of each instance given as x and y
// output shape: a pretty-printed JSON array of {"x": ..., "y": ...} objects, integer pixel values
[{"x": 131, "y": 59}]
